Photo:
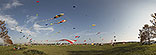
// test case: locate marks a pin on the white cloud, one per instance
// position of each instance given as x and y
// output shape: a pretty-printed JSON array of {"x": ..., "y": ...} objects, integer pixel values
[
  {"x": 25, "y": 30},
  {"x": 14, "y": 3},
  {"x": 31, "y": 18},
  {"x": 38, "y": 27},
  {"x": 7, "y": 6},
  {"x": 12, "y": 23}
]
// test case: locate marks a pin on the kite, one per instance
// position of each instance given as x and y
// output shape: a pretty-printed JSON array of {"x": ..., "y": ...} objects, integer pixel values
[
  {"x": 93, "y": 24},
  {"x": 74, "y": 28},
  {"x": 23, "y": 35},
  {"x": 98, "y": 33},
  {"x": 114, "y": 36},
  {"x": 51, "y": 23},
  {"x": 58, "y": 32},
  {"x": 71, "y": 41},
  {"x": 61, "y": 21},
  {"x": 37, "y": 1},
  {"x": 21, "y": 31},
  {"x": 84, "y": 40},
  {"x": 29, "y": 35},
  {"x": 36, "y": 14},
  {"x": 92, "y": 44},
  {"x": 57, "y": 16},
  {"x": 74, "y": 6},
  {"x": 30, "y": 40},
  {"x": 46, "y": 24},
  {"x": 77, "y": 36}
]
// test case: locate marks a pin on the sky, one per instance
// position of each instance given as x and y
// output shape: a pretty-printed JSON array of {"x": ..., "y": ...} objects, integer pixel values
[{"x": 120, "y": 18}]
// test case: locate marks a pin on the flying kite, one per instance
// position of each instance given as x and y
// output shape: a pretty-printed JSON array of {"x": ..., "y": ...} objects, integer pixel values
[
  {"x": 37, "y": 1},
  {"x": 74, "y": 6},
  {"x": 74, "y": 28},
  {"x": 23, "y": 35},
  {"x": 98, "y": 33},
  {"x": 57, "y": 16},
  {"x": 46, "y": 24},
  {"x": 71, "y": 41},
  {"x": 30, "y": 40},
  {"x": 51, "y": 23},
  {"x": 93, "y": 24},
  {"x": 58, "y": 32},
  {"x": 29, "y": 35},
  {"x": 61, "y": 21},
  {"x": 36, "y": 14},
  {"x": 84, "y": 40}
]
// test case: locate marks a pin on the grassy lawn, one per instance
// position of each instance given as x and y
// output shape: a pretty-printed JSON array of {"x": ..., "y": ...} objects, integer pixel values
[{"x": 120, "y": 49}]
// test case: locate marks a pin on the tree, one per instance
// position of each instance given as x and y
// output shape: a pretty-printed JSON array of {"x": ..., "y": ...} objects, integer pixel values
[
  {"x": 148, "y": 32},
  {"x": 4, "y": 33}
]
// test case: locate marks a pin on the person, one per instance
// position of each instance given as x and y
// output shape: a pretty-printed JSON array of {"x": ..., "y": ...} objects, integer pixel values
[
  {"x": 19, "y": 48},
  {"x": 112, "y": 43},
  {"x": 14, "y": 48}
]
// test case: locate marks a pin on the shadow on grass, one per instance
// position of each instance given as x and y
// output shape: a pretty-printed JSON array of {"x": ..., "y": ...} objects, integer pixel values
[
  {"x": 34, "y": 52},
  {"x": 121, "y": 50}
]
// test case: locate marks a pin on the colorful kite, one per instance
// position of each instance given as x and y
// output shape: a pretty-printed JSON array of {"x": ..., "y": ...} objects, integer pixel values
[
  {"x": 37, "y": 1},
  {"x": 84, "y": 40},
  {"x": 30, "y": 40},
  {"x": 93, "y": 24},
  {"x": 61, "y": 21},
  {"x": 77, "y": 36},
  {"x": 51, "y": 23},
  {"x": 71, "y": 41},
  {"x": 57, "y": 16}
]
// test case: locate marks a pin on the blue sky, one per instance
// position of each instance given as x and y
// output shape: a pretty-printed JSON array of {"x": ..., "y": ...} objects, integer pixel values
[{"x": 122, "y": 18}]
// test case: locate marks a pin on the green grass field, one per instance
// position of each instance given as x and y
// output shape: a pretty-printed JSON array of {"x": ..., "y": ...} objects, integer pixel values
[{"x": 120, "y": 49}]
